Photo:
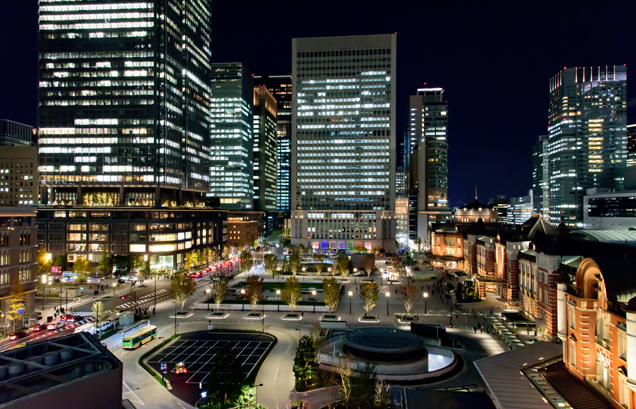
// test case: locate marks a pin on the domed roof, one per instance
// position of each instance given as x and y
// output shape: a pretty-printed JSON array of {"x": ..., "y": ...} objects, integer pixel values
[
  {"x": 476, "y": 205},
  {"x": 631, "y": 304}
]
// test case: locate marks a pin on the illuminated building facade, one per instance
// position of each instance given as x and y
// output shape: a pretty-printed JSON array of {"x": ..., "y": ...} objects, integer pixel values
[
  {"x": 587, "y": 139},
  {"x": 426, "y": 138},
  {"x": 16, "y": 134},
  {"x": 18, "y": 175},
  {"x": 124, "y": 101},
  {"x": 265, "y": 155},
  {"x": 631, "y": 145},
  {"x": 281, "y": 87},
  {"x": 540, "y": 176},
  {"x": 232, "y": 138},
  {"x": 343, "y": 142}
]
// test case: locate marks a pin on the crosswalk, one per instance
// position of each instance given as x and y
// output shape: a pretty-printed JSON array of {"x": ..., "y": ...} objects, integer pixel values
[{"x": 146, "y": 299}]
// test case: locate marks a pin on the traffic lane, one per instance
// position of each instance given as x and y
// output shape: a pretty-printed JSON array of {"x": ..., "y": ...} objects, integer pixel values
[
  {"x": 37, "y": 336},
  {"x": 112, "y": 303},
  {"x": 276, "y": 373}
]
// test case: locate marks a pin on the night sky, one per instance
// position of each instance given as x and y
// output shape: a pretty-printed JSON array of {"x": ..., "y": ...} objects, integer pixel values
[{"x": 494, "y": 63}]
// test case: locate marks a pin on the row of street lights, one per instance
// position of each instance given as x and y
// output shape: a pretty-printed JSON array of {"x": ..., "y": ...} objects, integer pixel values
[{"x": 388, "y": 294}]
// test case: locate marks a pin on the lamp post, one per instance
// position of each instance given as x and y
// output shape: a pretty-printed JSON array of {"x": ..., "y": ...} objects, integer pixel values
[
  {"x": 43, "y": 291},
  {"x": 114, "y": 286},
  {"x": 355, "y": 277},
  {"x": 256, "y": 394},
  {"x": 425, "y": 297},
  {"x": 329, "y": 269},
  {"x": 388, "y": 294},
  {"x": 175, "y": 317},
  {"x": 350, "y": 297},
  {"x": 207, "y": 291}
]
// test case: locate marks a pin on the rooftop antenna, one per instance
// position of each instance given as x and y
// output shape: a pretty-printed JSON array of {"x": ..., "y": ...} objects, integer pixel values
[{"x": 475, "y": 192}]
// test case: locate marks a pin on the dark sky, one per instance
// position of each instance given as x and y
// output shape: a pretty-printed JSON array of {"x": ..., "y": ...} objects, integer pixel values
[{"x": 493, "y": 58}]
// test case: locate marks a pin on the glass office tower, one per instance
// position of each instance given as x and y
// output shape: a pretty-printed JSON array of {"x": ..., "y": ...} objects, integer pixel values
[
  {"x": 231, "y": 134},
  {"x": 264, "y": 150},
  {"x": 281, "y": 87},
  {"x": 124, "y": 98},
  {"x": 343, "y": 142},
  {"x": 587, "y": 138}
]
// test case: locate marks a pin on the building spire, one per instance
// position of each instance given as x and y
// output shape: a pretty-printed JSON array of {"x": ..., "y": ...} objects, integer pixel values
[{"x": 475, "y": 192}]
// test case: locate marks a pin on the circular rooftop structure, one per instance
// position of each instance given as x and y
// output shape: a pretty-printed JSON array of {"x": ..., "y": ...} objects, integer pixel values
[{"x": 384, "y": 344}]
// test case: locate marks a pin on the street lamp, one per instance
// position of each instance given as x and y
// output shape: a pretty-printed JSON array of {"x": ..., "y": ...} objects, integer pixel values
[
  {"x": 175, "y": 317},
  {"x": 114, "y": 287},
  {"x": 256, "y": 394},
  {"x": 425, "y": 297},
  {"x": 207, "y": 290},
  {"x": 350, "y": 296},
  {"x": 44, "y": 291},
  {"x": 329, "y": 269},
  {"x": 388, "y": 294}
]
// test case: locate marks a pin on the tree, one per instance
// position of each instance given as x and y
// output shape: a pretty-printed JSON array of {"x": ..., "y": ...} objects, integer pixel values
[
  {"x": 319, "y": 262},
  {"x": 398, "y": 265},
  {"x": 44, "y": 262},
  {"x": 359, "y": 248},
  {"x": 105, "y": 266},
  {"x": 363, "y": 387},
  {"x": 345, "y": 380},
  {"x": 220, "y": 284},
  {"x": 247, "y": 398},
  {"x": 254, "y": 290},
  {"x": 291, "y": 292},
  {"x": 368, "y": 264},
  {"x": 246, "y": 261},
  {"x": 142, "y": 266},
  {"x": 305, "y": 366},
  {"x": 61, "y": 261},
  {"x": 203, "y": 256},
  {"x": 331, "y": 291},
  {"x": 342, "y": 264},
  {"x": 100, "y": 315},
  {"x": 210, "y": 256},
  {"x": 225, "y": 379},
  {"x": 270, "y": 263},
  {"x": 294, "y": 263},
  {"x": 254, "y": 242},
  {"x": 191, "y": 260},
  {"x": 122, "y": 264},
  {"x": 225, "y": 252},
  {"x": 328, "y": 380},
  {"x": 419, "y": 244},
  {"x": 382, "y": 394},
  {"x": 273, "y": 236},
  {"x": 369, "y": 294},
  {"x": 82, "y": 269},
  {"x": 408, "y": 294},
  {"x": 16, "y": 301},
  {"x": 182, "y": 286}
]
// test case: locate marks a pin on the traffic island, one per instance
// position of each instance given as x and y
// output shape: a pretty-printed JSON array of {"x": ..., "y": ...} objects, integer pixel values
[
  {"x": 292, "y": 317},
  {"x": 218, "y": 316},
  {"x": 330, "y": 317},
  {"x": 180, "y": 315},
  {"x": 369, "y": 319},
  {"x": 254, "y": 316}
]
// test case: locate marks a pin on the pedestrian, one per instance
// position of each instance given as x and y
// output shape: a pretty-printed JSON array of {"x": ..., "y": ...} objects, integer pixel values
[
  {"x": 481, "y": 330},
  {"x": 475, "y": 328}
]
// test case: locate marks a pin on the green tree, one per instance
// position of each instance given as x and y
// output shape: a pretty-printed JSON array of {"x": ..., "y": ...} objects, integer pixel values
[
  {"x": 368, "y": 264},
  {"x": 225, "y": 379},
  {"x": 254, "y": 290},
  {"x": 191, "y": 260},
  {"x": 331, "y": 291},
  {"x": 319, "y": 262},
  {"x": 225, "y": 253},
  {"x": 342, "y": 264},
  {"x": 45, "y": 262},
  {"x": 398, "y": 265},
  {"x": 16, "y": 301},
  {"x": 246, "y": 262},
  {"x": 247, "y": 398},
  {"x": 182, "y": 286},
  {"x": 363, "y": 387},
  {"x": 305, "y": 366},
  {"x": 270, "y": 263},
  {"x": 419, "y": 244},
  {"x": 294, "y": 263},
  {"x": 382, "y": 394},
  {"x": 344, "y": 373},
  {"x": 82, "y": 269},
  {"x": 273, "y": 236},
  {"x": 122, "y": 265},
  {"x": 369, "y": 294},
  {"x": 359, "y": 248},
  {"x": 142, "y": 266},
  {"x": 291, "y": 292},
  {"x": 61, "y": 261},
  {"x": 100, "y": 316},
  {"x": 220, "y": 284},
  {"x": 105, "y": 266}
]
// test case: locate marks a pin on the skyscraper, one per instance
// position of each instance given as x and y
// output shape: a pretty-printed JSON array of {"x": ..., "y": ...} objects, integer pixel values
[
  {"x": 231, "y": 136},
  {"x": 587, "y": 138},
  {"x": 426, "y": 136},
  {"x": 631, "y": 145},
  {"x": 343, "y": 142},
  {"x": 540, "y": 176},
  {"x": 124, "y": 100},
  {"x": 281, "y": 87},
  {"x": 265, "y": 155}
]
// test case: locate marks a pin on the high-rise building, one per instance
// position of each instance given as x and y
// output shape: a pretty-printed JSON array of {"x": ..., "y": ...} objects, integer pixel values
[
  {"x": 631, "y": 145},
  {"x": 265, "y": 155},
  {"x": 540, "y": 176},
  {"x": 16, "y": 134},
  {"x": 426, "y": 136},
  {"x": 400, "y": 181},
  {"x": 281, "y": 87},
  {"x": 231, "y": 135},
  {"x": 520, "y": 209},
  {"x": 587, "y": 139},
  {"x": 343, "y": 142},
  {"x": 124, "y": 100},
  {"x": 19, "y": 175}
]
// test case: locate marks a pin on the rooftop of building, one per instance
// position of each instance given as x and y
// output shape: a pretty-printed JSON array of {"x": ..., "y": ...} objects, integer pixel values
[
  {"x": 627, "y": 237},
  {"x": 45, "y": 365},
  {"x": 17, "y": 211},
  {"x": 445, "y": 399}
]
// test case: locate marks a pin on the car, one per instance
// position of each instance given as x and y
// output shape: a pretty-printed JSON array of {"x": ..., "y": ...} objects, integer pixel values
[
  {"x": 69, "y": 319},
  {"x": 55, "y": 325},
  {"x": 18, "y": 335},
  {"x": 416, "y": 269},
  {"x": 37, "y": 327},
  {"x": 180, "y": 368},
  {"x": 105, "y": 326}
]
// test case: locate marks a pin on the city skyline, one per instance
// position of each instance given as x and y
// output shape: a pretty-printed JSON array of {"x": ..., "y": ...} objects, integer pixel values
[{"x": 517, "y": 51}]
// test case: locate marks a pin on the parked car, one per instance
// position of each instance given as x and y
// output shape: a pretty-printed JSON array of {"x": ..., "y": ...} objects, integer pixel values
[
  {"x": 18, "y": 335},
  {"x": 105, "y": 326},
  {"x": 180, "y": 368},
  {"x": 55, "y": 325}
]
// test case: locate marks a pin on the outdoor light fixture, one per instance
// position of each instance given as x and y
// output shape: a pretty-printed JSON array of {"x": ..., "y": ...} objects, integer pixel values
[
  {"x": 313, "y": 292},
  {"x": 387, "y": 302},
  {"x": 277, "y": 292},
  {"x": 242, "y": 290},
  {"x": 350, "y": 295},
  {"x": 425, "y": 297}
]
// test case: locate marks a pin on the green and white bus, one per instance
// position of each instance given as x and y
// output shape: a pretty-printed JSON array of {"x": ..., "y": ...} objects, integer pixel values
[{"x": 140, "y": 337}]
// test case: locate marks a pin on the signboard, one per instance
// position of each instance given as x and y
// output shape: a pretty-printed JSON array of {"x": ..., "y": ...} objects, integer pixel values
[
  {"x": 176, "y": 325},
  {"x": 20, "y": 311},
  {"x": 56, "y": 269},
  {"x": 164, "y": 367},
  {"x": 68, "y": 273}
]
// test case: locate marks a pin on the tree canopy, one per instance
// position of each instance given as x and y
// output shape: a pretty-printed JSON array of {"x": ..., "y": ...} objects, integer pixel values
[
  {"x": 254, "y": 290},
  {"x": 331, "y": 291},
  {"x": 291, "y": 292},
  {"x": 305, "y": 366},
  {"x": 182, "y": 286},
  {"x": 369, "y": 293}
]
